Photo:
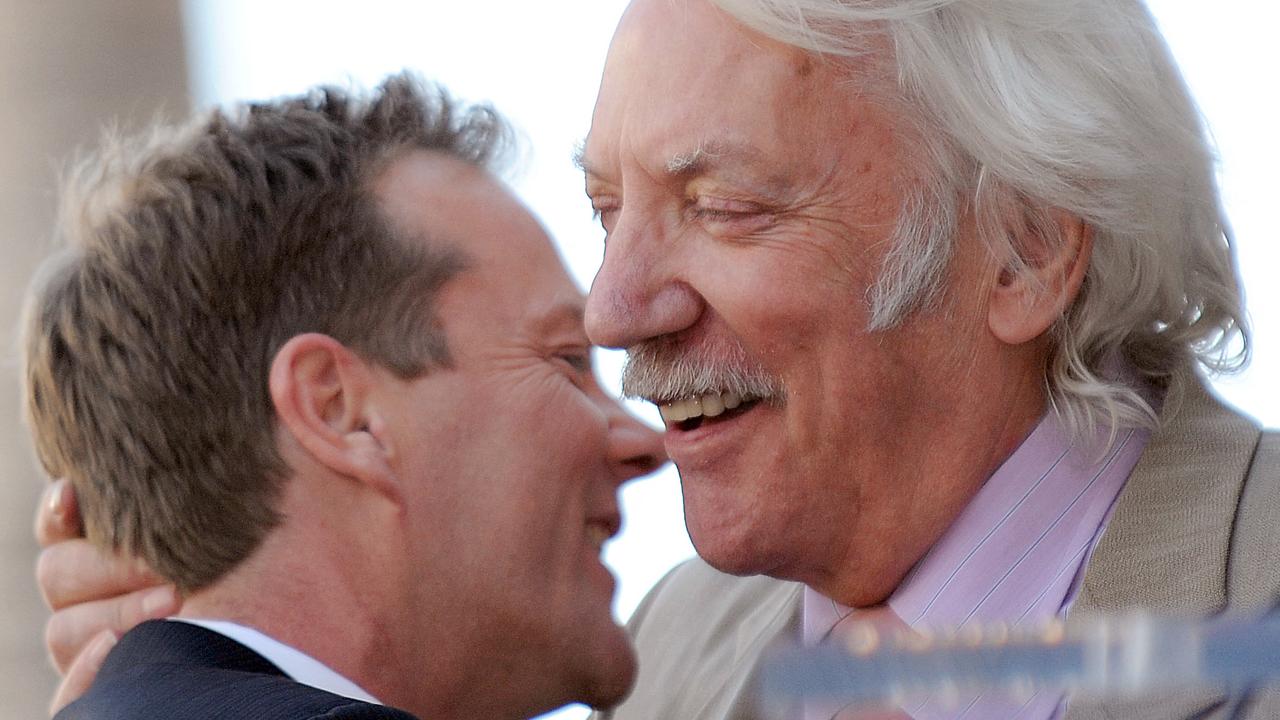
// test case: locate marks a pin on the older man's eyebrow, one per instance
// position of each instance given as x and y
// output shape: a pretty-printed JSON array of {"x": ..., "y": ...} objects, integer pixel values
[
  {"x": 738, "y": 164},
  {"x": 712, "y": 154},
  {"x": 579, "y": 158},
  {"x": 735, "y": 158}
]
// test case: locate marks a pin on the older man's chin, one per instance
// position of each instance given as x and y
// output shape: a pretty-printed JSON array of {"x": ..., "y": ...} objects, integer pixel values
[{"x": 729, "y": 534}]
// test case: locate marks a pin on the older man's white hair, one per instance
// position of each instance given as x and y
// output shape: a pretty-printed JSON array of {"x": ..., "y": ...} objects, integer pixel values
[{"x": 1051, "y": 104}]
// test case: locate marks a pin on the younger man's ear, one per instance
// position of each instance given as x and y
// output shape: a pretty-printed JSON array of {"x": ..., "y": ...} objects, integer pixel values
[
  {"x": 1026, "y": 301},
  {"x": 322, "y": 392}
]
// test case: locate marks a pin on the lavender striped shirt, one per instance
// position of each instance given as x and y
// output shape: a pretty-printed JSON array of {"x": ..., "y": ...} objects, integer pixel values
[{"x": 1015, "y": 553}]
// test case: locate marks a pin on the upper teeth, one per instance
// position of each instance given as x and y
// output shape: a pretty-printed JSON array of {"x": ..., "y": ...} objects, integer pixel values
[{"x": 709, "y": 405}]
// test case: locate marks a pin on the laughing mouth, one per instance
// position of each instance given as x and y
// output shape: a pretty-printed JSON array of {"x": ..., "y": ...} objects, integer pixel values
[{"x": 689, "y": 413}]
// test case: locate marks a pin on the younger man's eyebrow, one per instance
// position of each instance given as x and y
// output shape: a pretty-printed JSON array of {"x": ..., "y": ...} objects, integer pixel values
[{"x": 566, "y": 314}]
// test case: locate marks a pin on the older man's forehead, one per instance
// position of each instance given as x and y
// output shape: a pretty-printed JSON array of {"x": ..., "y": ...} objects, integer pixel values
[{"x": 687, "y": 110}]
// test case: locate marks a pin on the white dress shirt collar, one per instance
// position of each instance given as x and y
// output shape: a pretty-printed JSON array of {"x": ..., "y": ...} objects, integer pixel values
[{"x": 296, "y": 664}]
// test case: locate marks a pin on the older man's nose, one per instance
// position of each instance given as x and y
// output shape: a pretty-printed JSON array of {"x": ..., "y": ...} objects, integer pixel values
[{"x": 638, "y": 294}]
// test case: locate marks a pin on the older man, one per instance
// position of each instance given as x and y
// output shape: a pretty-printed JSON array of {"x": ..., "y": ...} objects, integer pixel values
[
  {"x": 316, "y": 367},
  {"x": 920, "y": 288}
]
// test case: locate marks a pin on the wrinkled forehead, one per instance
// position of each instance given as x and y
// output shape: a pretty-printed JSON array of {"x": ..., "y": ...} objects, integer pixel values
[
  {"x": 682, "y": 73},
  {"x": 691, "y": 42},
  {"x": 659, "y": 27}
]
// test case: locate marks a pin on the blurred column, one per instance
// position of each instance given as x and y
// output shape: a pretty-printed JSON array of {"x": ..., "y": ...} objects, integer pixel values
[{"x": 66, "y": 68}]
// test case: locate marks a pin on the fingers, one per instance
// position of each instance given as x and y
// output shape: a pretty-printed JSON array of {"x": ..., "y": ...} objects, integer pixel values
[
  {"x": 58, "y": 517},
  {"x": 82, "y": 672},
  {"x": 74, "y": 571},
  {"x": 70, "y": 630}
]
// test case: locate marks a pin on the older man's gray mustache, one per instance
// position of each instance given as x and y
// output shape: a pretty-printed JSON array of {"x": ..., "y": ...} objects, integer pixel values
[{"x": 676, "y": 376}]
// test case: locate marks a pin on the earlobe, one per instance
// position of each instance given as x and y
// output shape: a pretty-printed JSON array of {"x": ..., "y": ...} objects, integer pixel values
[
  {"x": 322, "y": 396},
  {"x": 1030, "y": 295}
]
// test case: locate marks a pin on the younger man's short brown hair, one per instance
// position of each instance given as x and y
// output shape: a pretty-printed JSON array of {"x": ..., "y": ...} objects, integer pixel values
[{"x": 193, "y": 255}]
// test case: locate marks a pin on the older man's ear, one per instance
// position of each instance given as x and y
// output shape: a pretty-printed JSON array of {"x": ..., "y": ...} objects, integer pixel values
[
  {"x": 1029, "y": 296},
  {"x": 324, "y": 400}
]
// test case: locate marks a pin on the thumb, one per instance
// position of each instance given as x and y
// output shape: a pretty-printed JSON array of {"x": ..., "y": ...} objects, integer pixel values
[{"x": 82, "y": 672}]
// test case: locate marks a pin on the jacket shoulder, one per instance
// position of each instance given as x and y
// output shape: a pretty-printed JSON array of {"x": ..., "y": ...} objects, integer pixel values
[
  {"x": 177, "y": 670},
  {"x": 699, "y": 635},
  {"x": 693, "y": 592},
  {"x": 1253, "y": 574},
  {"x": 1166, "y": 547},
  {"x": 203, "y": 694}
]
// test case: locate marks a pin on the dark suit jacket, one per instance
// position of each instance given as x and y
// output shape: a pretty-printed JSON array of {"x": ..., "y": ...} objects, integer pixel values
[{"x": 178, "y": 671}]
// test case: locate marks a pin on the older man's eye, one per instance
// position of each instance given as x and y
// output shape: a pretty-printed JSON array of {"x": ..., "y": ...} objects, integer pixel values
[
  {"x": 732, "y": 214},
  {"x": 710, "y": 206},
  {"x": 604, "y": 211},
  {"x": 715, "y": 214}
]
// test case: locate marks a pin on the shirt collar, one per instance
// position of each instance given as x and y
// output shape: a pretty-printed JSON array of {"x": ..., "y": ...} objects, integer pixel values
[
  {"x": 1014, "y": 553},
  {"x": 296, "y": 664}
]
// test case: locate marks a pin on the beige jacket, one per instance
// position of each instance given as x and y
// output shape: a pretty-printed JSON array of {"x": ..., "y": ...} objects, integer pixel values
[{"x": 1195, "y": 530}]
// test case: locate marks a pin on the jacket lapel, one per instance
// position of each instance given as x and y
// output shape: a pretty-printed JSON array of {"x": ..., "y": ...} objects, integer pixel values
[
  {"x": 777, "y": 622},
  {"x": 1165, "y": 549}
]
